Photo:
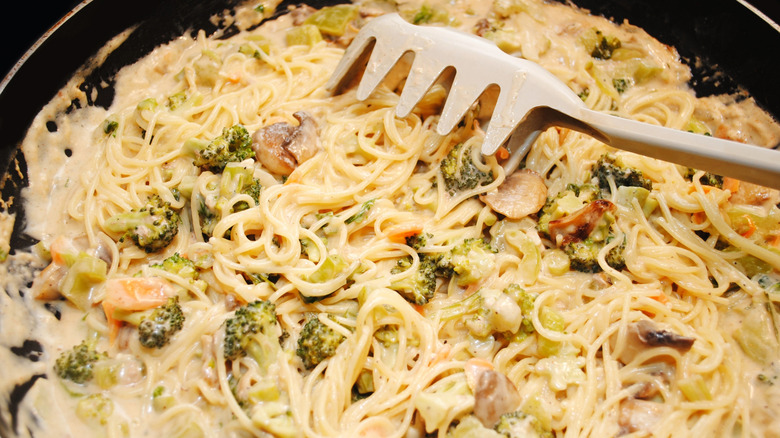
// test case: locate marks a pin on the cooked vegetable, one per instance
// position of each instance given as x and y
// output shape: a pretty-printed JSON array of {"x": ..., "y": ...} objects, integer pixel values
[
  {"x": 521, "y": 194},
  {"x": 519, "y": 424},
  {"x": 470, "y": 261},
  {"x": 317, "y": 342},
  {"x": 253, "y": 330},
  {"x": 234, "y": 145},
  {"x": 420, "y": 286},
  {"x": 460, "y": 171},
  {"x": 151, "y": 227},
  {"x": 178, "y": 265},
  {"x": 77, "y": 363},
  {"x": 157, "y": 330},
  {"x": 608, "y": 167},
  {"x": 599, "y": 46},
  {"x": 333, "y": 20}
]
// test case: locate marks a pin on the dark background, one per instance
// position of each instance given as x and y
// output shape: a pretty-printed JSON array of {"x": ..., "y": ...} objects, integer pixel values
[{"x": 34, "y": 18}]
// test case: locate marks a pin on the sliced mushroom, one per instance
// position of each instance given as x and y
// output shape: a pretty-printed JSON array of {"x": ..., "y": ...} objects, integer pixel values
[
  {"x": 639, "y": 415},
  {"x": 494, "y": 395},
  {"x": 521, "y": 194},
  {"x": 651, "y": 336},
  {"x": 578, "y": 225},
  {"x": 280, "y": 147},
  {"x": 644, "y": 334},
  {"x": 304, "y": 142}
]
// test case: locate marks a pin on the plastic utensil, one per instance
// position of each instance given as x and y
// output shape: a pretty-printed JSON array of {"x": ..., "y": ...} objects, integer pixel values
[{"x": 530, "y": 100}]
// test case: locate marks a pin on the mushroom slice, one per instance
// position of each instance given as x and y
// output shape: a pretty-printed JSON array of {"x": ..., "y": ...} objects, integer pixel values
[
  {"x": 578, "y": 225},
  {"x": 644, "y": 334},
  {"x": 280, "y": 147},
  {"x": 521, "y": 194},
  {"x": 494, "y": 395},
  {"x": 304, "y": 142},
  {"x": 268, "y": 144},
  {"x": 651, "y": 336}
]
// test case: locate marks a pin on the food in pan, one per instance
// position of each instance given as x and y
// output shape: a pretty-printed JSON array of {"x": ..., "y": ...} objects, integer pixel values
[{"x": 231, "y": 250}]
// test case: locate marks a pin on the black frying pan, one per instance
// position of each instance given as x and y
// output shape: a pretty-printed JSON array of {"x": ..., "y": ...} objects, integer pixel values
[{"x": 729, "y": 47}]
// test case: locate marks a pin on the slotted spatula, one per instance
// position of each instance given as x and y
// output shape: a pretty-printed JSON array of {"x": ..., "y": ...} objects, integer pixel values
[{"x": 530, "y": 100}]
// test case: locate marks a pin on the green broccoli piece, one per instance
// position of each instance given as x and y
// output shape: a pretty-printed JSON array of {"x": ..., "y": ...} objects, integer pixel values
[
  {"x": 490, "y": 311},
  {"x": 600, "y": 46},
  {"x": 253, "y": 330},
  {"x": 460, "y": 173},
  {"x": 419, "y": 287},
  {"x": 208, "y": 219},
  {"x": 620, "y": 84},
  {"x": 418, "y": 240},
  {"x": 77, "y": 363},
  {"x": 178, "y": 265},
  {"x": 151, "y": 227},
  {"x": 573, "y": 198},
  {"x": 709, "y": 179},
  {"x": 469, "y": 261},
  {"x": 362, "y": 213},
  {"x": 317, "y": 342},
  {"x": 157, "y": 330},
  {"x": 583, "y": 255},
  {"x": 525, "y": 300},
  {"x": 518, "y": 424},
  {"x": 234, "y": 145},
  {"x": 253, "y": 189},
  {"x": 610, "y": 167}
]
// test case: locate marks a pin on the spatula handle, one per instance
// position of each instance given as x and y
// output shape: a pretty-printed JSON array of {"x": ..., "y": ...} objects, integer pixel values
[{"x": 723, "y": 157}]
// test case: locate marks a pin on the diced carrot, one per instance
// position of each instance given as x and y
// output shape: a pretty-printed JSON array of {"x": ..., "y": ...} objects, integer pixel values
[
  {"x": 62, "y": 247},
  {"x": 661, "y": 298},
  {"x": 751, "y": 227},
  {"x": 730, "y": 184},
  {"x": 137, "y": 293},
  {"x": 502, "y": 153},
  {"x": 399, "y": 233},
  {"x": 133, "y": 294},
  {"x": 774, "y": 241}
]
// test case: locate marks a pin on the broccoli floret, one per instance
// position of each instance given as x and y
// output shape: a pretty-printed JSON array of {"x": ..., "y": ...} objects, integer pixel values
[
  {"x": 460, "y": 173},
  {"x": 253, "y": 330},
  {"x": 610, "y": 167},
  {"x": 253, "y": 190},
  {"x": 490, "y": 311},
  {"x": 419, "y": 287},
  {"x": 709, "y": 179},
  {"x": 417, "y": 241},
  {"x": 518, "y": 424},
  {"x": 583, "y": 255},
  {"x": 178, "y": 265},
  {"x": 208, "y": 219},
  {"x": 469, "y": 261},
  {"x": 151, "y": 227},
  {"x": 317, "y": 342},
  {"x": 157, "y": 330},
  {"x": 234, "y": 145},
  {"x": 564, "y": 203},
  {"x": 600, "y": 46},
  {"x": 77, "y": 364}
]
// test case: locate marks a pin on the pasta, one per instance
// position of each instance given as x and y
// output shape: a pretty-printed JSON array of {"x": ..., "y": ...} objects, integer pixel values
[{"x": 410, "y": 295}]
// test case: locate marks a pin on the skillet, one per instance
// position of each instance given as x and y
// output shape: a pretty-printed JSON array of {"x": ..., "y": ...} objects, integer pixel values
[{"x": 730, "y": 47}]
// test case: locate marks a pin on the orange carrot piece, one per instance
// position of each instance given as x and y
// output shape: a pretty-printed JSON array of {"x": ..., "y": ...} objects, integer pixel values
[{"x": 730, "y": 184}]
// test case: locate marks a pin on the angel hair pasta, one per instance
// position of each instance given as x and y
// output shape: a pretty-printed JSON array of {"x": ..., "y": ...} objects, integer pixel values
[{"x": 230, "y": 250}]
